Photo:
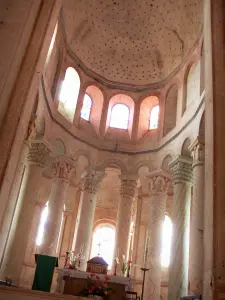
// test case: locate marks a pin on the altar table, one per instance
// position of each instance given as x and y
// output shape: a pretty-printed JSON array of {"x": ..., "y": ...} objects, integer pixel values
[{"x": 71, "y": 282}]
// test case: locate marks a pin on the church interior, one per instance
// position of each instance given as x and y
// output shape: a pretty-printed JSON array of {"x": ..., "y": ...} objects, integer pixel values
[{"x": 112, "y": 166}]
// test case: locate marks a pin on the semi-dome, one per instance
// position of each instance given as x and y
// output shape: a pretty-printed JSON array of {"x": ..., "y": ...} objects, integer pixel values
[{"x": 131, "y": 42}]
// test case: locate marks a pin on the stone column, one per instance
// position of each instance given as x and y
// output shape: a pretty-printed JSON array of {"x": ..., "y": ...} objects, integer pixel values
[
  {"x": 86, "y": 212},
  {"x": 196, "y": 226},
  {"x": 158, "y": 184},
  {"x": 178, "y": 270},
  {"x": 61, "y": 171},
  {"x": 127, "y": 192},
  {"x": 24, "y": 213}
]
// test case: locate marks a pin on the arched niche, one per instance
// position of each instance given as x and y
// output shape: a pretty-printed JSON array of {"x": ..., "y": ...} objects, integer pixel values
[
  {"x": 125, "y": 100},
  {"x": 170, "y": 114},
  {"x": 185, "y": 148},
  {"x": 97, "y": 99},
  {"x": 191, "y": 85},
  {"x": 68, "y": 94},
  {"x": 147, "y": 105}
]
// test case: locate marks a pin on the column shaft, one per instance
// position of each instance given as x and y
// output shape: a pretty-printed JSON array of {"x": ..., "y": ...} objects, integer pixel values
[
  {"x": 178, "y": 271},
  {"x": 158, "y": 190},
  {"x": 62, "y": 170},
  {"x": 196, "y": 226},
  {"x": 24, "y": 212},
  {"x": 128, "y": 188},
  {"x": 86, "y": 213}
]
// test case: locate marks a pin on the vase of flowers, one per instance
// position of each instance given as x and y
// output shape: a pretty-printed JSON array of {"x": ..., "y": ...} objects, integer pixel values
[
  {"x": 75, "y": 260},
  {"x": 124, "y": 265}
]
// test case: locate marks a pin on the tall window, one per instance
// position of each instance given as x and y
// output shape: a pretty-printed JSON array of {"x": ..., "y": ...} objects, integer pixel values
[
  {"x": 41, "y": 227},
  {"x": 154, "y": 117},
  {"x": 119, "y": 116},
  {"x": 86, "y": 109},
  {"x": 103, "y": 243},
  {"x": 166, "y": 242},
  {"x": 69, "y": 93}
]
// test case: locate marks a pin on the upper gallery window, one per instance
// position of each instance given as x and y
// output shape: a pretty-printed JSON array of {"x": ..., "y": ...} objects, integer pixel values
[
  {"x": 69, "y": 93},
  {"x": 86, "y": 109},
  {"x": 154, "y": 117},
  {"x": 119, "y": 116}
]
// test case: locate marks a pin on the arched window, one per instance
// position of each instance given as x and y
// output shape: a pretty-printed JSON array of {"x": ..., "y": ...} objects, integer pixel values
[
  {"x": 69, "y": 93},
  {"x": 154, "y": 117},
  {"x": 41, "y": 227},
  {"x": 86, "y": 109},
  {"x": 103, "y": 243},
  {"x": 166, "y": 242},
  {"x": 119, "y": 116}
]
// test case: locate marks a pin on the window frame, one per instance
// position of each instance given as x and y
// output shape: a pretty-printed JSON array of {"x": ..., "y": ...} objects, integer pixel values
[{"x": 128, "y": 119}]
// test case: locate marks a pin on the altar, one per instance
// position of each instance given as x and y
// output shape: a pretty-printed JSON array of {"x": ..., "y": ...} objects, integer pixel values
[{"x": 72, "y": 282}]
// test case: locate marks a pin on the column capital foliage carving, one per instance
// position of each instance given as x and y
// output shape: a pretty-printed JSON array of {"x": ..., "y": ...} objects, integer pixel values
[
  {"x": 128, "y": 185},
  {"x": 181, "y": 170},
  {"x": 38, "y": 154},
  {"x": 63, "y": 168},
  {"x": 159, "y": 182},
  {"x": 93, "y": 180},
  {"x": 198, "y": 152}
]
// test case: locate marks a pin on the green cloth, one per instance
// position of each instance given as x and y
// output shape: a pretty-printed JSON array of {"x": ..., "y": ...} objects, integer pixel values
[{"x": 44, "y": 272}]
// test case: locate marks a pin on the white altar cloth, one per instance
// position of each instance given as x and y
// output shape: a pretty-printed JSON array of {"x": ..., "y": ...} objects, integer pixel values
[{"x": 81, "y": 274}]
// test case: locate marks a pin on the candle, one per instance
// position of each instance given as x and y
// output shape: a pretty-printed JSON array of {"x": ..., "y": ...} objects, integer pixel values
[{"x": 146, "y": 253}]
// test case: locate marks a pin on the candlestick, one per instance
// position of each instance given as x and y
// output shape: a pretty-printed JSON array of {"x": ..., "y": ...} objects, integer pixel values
[{"x": 143, "y": 282}]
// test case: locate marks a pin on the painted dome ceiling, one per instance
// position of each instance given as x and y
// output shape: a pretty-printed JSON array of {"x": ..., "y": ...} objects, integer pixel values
[{"x": 134, "y": 42}]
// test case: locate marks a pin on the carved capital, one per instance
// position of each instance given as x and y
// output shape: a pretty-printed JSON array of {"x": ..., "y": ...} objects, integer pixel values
[
  {"x": 128, "y": 185},
  {"x": 38, "y": 154},
  {"x": 63, "y": 169},
  {"x": 158, "y": 182},
  {"x": 92, "y": 181},
  {"x": 198, "y": 152},
  {"x": 181, "y": 170}
]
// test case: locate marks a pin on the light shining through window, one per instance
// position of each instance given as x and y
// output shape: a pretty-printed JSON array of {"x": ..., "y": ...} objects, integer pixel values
[
  {"x": 86, "y": 109},
  {"x": 119, "y": 116},
  {"x": 154, "y": 117},
  {"x": 166, "y": 241},
  {"x": 41, "y": 227},
  {"x": 103, "y": 244}
]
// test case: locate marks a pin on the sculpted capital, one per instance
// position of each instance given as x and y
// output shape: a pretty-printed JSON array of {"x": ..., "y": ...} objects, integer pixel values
[
  {"x": 198, "y": 152},
  {"x": 38, "y": 154},
  {"x": 181, "y": 170},
  {"x": 158, "y": 182},
  {"x": 92, "y": 181},
  {"x": 128, "y": 185},
  {"x": 63, "y": 168}
]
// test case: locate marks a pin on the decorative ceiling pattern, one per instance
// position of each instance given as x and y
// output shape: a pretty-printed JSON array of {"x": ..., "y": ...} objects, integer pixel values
[{"x": 134, "y": 42}]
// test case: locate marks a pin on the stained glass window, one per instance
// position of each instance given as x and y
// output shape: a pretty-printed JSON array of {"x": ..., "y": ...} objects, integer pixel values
[
  {"x": 41, "y": 227},
  {"x": 154, "y": 117},
  {"x": 103, "y": 243},
  {"x": 86, "y": 109},
  {"x": 119, "y": 116},
  {"x": 166, "y": 242}
]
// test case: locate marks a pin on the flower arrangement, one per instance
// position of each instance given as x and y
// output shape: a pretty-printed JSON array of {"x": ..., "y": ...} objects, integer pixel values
[
  {"x": 99, "y": 287},
  {"x": 124, "y": 265},
  {"x": 74, "y": 260}
]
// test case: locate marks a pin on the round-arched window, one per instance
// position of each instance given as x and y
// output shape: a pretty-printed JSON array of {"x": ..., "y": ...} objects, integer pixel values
[
  {"x": 166, "y": 241},
  {"x": 119, "y": 116},
  {"x": 69, "y": 93},
  {"x": 86, "y": 108},
  {"x": 103, "y": 243},
  {"x": 154, "y": 117}
]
